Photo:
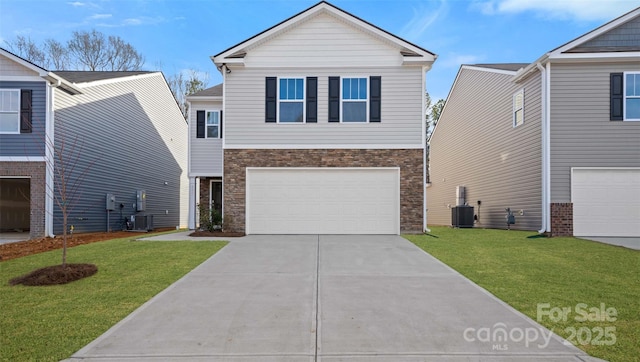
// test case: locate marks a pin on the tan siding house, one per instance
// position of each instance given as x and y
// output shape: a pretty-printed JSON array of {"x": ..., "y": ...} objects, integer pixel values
[
  {"x": 573, "y": 166},
  {"x": 322, "y": 129}
]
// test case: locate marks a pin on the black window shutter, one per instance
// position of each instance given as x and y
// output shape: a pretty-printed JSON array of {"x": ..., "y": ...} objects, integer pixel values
[
  {"x": 220, "y": 124},
  {"x": 312, "y": 99},
  {"x": 375, "y": 84},
  {"x": 616, "y": 106},
  {"x": 334, "y": 99},
  {"x": 25, "y": 111},
  {"x": 271, "y": 99},
  {"x": 200, "y": 127}
]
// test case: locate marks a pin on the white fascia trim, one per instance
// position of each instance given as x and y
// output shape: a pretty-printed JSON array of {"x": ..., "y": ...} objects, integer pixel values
[
  {"x": 118, "y": 80},
  {"x": 22, "y": 159},
  {"x": 204, "y": 174},
  {"x": 22, "y": 78},
  {"x": 324, "y": 146},
  {"x": 203, "y": 98},
  {"x": 322, "y": 168},
  {"x": 490, "y": 70},
  {"x": 595, "y": 56},
  {"x": 604, "y": 168}
]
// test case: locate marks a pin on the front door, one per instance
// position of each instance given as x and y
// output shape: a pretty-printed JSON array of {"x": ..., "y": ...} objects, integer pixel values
[{"x": 216, "y": 195}]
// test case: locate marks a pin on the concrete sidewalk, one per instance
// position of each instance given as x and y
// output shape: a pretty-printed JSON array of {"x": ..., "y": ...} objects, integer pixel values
[{"x": 326, "y": 298}]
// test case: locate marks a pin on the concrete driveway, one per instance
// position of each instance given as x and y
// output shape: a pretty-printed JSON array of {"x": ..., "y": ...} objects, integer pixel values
[{"x": 326, "y": 298}]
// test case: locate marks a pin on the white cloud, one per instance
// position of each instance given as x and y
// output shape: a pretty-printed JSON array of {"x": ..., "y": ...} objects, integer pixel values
[
  {"x": 99, "y": 16},
  {"x": 423, "y": 17},
  {"x": 76, "y": 3},
  {"x": 582, "y": 10}
]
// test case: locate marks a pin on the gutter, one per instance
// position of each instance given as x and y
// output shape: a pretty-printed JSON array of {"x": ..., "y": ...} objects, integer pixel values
[{"x": 546, "y": 140}]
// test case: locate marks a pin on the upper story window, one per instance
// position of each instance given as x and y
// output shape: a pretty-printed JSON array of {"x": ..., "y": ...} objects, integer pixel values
[
  {"x": 208, "y": 124},
  {"x": 354, "y": 99},
  {"x": 291, "y": 100},
  {"x": 213, "y": 124},
  {"x": 632, "y": 96},
  {"x": 9, "y": 111},
  {"x": 518, "y": 108}
]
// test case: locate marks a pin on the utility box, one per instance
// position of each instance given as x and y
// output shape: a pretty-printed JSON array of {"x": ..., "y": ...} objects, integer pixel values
[
  {"x": 462, "y": 216},
  {"x": 141, "y": 200},
  {"x": 111, "y": 202}
]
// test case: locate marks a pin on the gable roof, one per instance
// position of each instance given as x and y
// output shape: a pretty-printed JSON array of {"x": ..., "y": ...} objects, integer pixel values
[
  {"x": 51, "y": 77},
  {"x": 410, "y": 52},
  {"x": 572, "y": 49},
  {"x": 511, "y": 67},
  {"x": 215, "y": 91},
  {"x": 81, "y": 76}
]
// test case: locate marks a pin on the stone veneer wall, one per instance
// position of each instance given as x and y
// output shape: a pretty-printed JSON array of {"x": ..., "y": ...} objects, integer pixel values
[
  {"x": 562, "y": 219},
  {"x": 409, "y": 161},
  {"x": 36, "y": 172}
]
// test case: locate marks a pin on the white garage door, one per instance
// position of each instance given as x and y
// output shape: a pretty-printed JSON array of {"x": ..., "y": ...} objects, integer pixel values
[
  {"x": 323, "y": 201},
  {"x": 606, "y": 202}
]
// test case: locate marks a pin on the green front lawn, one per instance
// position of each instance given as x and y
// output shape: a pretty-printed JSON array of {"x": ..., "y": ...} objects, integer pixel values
[
  {"x": 526, "y": 271},
  {"x": 51, "y": 323}
]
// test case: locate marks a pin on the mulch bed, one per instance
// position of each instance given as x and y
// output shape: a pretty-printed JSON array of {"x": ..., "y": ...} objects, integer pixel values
[
  {"x": 34, "y": 246},
  {"x": 225, "y": 234},
  {"x": 55, "y": 275}
]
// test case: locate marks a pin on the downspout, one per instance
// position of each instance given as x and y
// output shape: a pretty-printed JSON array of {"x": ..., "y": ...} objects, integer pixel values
[
  {"x": 545, "y": 134},
  {"x": 191, "y": 215},
  {"x": 424, "y": 154},
  {"x": 49, "y": 160}
]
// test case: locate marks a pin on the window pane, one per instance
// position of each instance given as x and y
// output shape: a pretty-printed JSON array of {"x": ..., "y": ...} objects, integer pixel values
[
  {"x": 9, "y": 101},
  {"x": 630, "y": 81},
  {"x": 212, "y": 131},
  {"x": 213, "y": 118},
  {"x": 299, "y": 89},
  {"x": 291, "y": 89},
  {"x": 637, "y": 85},
  {"x": 354, "y": 88},
  {"x": 291, "y": 112},
  {"x": 632, "y": 110},
  {"x": 346, "y": 88},
  {"x": 363, "y": 88},
  {"x": 354, "y": 112},
  {"x": 9, "y": 122},
  {"x": 283, "y": 89}
]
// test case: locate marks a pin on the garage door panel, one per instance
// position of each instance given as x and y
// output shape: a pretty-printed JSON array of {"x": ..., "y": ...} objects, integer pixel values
[
  {"x": 606, "y": 202},
  {"x": 323, "y": 201}
]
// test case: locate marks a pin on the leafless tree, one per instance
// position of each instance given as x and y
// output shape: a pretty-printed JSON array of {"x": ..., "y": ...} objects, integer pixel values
[
  {"x": 86, "y": 50},
  {"x": 27, "y": 49},
  {"x": 57, "y": 55},
  {"x": 181, "y": 86}
]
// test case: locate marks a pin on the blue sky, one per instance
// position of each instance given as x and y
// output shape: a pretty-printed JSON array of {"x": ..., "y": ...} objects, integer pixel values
[{"x": 175, "y": 35}]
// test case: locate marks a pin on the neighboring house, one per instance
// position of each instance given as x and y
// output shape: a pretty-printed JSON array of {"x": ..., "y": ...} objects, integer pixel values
[
  {"x": 556, "y": 140},
  {"x": 125, "y": 130},
  {"x": 323, "y": 129}
]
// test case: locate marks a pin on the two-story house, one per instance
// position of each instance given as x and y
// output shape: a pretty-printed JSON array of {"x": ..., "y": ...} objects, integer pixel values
[
  {"x": 320, "y": 124},
  {"x": 556, "y": 140},
  {"x": 120, "y": 137}
]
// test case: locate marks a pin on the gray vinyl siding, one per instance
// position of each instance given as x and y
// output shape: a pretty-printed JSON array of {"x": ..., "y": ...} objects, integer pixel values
[
  {"x": 625, "y": 36},
  {"x": 581, "y": 133},
  {"x": 206, "y": 153},
  {"x": 401, "y": 112},
  {"x": 475, "y": 145},
  {"x": 132, "y": 137},
  {"x": 28, "y": 144}
]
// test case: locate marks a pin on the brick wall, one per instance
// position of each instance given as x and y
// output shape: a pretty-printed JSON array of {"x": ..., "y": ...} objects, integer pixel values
[
  {"x": 409, "y": 161},
  {"x": 562, "y": 219},
  {"x": 36, "y": 172}
]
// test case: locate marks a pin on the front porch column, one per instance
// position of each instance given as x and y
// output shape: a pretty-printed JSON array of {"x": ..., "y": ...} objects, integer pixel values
[{"x": 192, "y": 203}]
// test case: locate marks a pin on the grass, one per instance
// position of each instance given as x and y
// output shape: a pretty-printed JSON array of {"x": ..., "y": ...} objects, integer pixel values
[
  {"x": 51, "y": 323},
  {"x": 525, "y": 271}
]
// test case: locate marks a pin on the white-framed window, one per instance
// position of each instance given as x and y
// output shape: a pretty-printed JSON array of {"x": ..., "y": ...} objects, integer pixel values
[
  {"x": 213, "y": 124},
  {"x": 518, "y": 108},
  {"x": 354, "y": 100},
  {"x": 9, "y": 111},
  {"x": 291, "y": 100},
  {"x": 632, "y": 96}
]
